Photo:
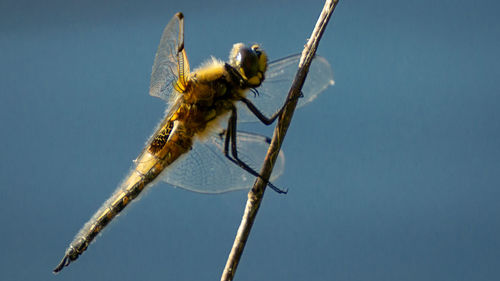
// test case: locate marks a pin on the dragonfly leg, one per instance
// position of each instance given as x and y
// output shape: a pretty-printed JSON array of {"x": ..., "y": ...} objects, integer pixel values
[
  {"x": 230, "y": 139},
  {"x": 264, "y": 119}
]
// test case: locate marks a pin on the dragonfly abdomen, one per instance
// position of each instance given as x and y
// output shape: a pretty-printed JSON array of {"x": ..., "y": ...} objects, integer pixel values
[
  {"x": 148, "y": 167},
  {"x": 127, "y": 192}
]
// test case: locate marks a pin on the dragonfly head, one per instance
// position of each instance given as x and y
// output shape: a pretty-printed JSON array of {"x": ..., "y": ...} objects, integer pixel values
[{"x": 250, "y": 62}]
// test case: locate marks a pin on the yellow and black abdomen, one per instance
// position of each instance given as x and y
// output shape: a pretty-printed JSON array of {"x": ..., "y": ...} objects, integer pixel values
[{"x": 149, "y": 165}]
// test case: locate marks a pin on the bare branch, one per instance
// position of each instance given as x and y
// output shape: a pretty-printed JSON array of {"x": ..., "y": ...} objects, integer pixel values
[{"x": 257, "y": 192}]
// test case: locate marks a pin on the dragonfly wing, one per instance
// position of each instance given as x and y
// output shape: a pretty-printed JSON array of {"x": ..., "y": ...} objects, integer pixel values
[
  {"x": 279, "y": 78},
  {"x": 170, "y": 60},
  {"x": 205, "y": 169}
]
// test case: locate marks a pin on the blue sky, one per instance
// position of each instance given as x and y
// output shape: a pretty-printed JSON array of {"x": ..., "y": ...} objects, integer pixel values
[{"x": 393, "y": 173}]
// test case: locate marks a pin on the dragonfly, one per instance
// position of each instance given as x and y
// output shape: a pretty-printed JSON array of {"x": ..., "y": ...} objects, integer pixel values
[{"x": 191, "y": 148}]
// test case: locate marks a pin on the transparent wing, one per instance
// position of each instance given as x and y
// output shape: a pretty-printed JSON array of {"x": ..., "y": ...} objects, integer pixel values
[
  {"x": 279, "y": 77},
  {"x": 170, "y": 60},
  {"x": 205, "y": 169}
]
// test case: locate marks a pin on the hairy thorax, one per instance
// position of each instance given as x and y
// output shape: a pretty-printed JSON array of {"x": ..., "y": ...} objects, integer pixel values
[{"x": 210, "y": 93}]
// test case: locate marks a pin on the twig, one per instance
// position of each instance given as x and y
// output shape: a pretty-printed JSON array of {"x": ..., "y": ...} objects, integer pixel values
[{"x": 257, "y": 192}]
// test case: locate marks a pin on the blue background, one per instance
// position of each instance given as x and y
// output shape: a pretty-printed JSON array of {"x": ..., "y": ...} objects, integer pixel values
[{"x": 394, "y": 173}]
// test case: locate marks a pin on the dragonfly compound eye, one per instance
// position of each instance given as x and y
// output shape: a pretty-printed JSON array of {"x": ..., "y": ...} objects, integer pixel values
[{"x": 251, "y": 63}]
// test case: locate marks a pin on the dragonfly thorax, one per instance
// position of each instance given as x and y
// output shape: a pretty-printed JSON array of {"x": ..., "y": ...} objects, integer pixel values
[{"x": 250, "y": 62}]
